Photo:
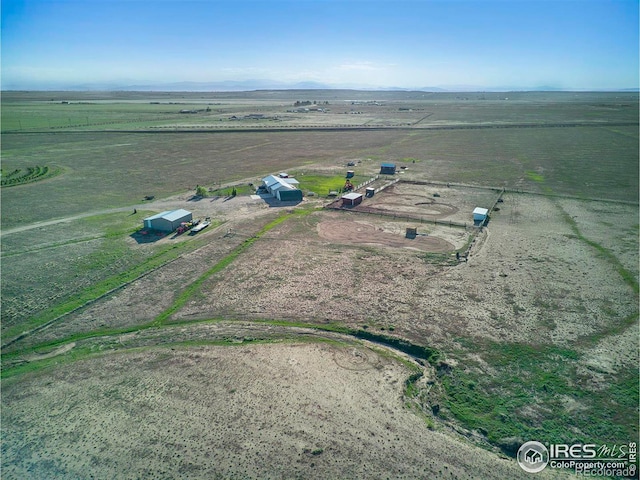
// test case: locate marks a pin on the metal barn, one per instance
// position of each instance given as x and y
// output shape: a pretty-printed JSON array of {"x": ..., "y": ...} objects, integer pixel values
[
  {"x": 388, "y": 168},
  {"x": 167, "y": 221},
  {"x": 284, "y": 189}
]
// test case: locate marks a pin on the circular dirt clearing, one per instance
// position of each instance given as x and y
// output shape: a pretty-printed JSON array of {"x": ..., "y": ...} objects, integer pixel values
[{"x": 360, "y": 233}]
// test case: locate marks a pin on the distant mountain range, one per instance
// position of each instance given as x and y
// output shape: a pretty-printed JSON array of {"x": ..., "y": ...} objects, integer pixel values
[{"x": 250, "y": 85}]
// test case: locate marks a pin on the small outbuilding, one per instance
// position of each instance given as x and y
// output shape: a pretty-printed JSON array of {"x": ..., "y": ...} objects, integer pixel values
[
  {"x": 351, "y": 199},
  {"x": 370, "y": 192},
  {"x": 388, "y": 168},
  {"x": 167, "y": 221},
  {"x": 480, "y": 215},
  {"x": 350, "y": 173}
]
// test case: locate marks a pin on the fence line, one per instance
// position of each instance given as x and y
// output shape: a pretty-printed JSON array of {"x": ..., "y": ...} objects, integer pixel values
[
  {"x": 336, "y": 205},
  {"x": 368, "y": 182}
]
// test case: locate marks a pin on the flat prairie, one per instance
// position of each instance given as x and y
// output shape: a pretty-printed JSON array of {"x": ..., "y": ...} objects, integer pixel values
[{"x": 292, "y": 340}]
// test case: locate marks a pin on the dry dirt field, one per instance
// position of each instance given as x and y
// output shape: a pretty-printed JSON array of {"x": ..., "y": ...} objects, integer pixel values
[
  {"x": 293, "y": 410},
  {"x": 359, "y": 232},
  {"x": 526, "y": 276}
]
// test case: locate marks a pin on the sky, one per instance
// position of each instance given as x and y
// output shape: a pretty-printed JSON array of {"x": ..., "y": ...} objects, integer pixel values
[{"x": 517, "y": 44}]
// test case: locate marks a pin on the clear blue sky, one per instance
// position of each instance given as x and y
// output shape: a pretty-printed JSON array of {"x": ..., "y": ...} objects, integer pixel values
[{"x": 577, "y": 44}]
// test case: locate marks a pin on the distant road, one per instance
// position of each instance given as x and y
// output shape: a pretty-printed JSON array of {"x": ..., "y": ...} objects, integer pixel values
[
  {"x": 317, "y": 128},
  {"x": 31, "y": 226}
]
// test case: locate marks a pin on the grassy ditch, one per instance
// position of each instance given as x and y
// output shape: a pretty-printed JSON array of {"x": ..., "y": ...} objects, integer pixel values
[
  {"x": 627, "y": 277},
  {"x": 186, "y": 294},
  {"x": 109, "y": 339},
  {"x": 105, "y": 341},
  {"x": 429, "y": 354},
  {"x": 96, "y": 291}
]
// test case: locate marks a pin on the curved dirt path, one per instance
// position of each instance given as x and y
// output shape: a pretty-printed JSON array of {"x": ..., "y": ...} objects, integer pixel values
[{"x": 31, "y": 226}]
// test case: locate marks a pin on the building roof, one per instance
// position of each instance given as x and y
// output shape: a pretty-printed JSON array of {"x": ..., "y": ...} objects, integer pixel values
[
  {"x": 276, "y": 183},
  {"x": 176, "y": 214},
  {"x": 158, "y": 215},
  {"x": 480, "y": 211},
  {"x": 389, "y": 165},
  {"x": 270, "y": 180},
  {"x": 170, "y": 215},
  {"x": 280, "y": 186},
  {"x": 352, "y": 196}
]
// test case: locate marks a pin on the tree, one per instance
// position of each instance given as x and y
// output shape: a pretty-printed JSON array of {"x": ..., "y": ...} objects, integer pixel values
[{"x": 201, "y": 191}]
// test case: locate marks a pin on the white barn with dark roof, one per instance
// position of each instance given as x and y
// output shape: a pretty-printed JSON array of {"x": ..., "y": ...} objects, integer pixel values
[{"x": 283, "y": 189}]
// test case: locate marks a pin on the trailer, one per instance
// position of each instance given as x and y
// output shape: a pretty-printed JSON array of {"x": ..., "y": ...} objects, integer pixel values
[{"x": 201, "y": 226}]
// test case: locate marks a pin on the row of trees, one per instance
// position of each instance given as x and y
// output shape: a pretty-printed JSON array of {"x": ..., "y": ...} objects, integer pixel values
[{"x": 203, "y": 192}]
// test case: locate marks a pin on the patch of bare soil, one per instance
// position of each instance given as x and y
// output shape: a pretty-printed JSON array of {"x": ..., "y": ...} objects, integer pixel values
[
  {"x": 430, "y": 202},
  {"x": 259, "y": 411},
  {"x": 361, "y": 233}
]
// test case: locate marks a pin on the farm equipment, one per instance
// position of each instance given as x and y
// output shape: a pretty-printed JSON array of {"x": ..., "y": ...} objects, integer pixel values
[
  {"x": 348, "y": 186},
  {"x": 200, "y": 226},
  {"x": 186, "y": 226}
]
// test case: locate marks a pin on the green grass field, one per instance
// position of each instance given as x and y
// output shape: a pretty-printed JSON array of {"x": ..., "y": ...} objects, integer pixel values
[
  {"x": 528, "y": 382},
  {"x": 323, "y": 184}
]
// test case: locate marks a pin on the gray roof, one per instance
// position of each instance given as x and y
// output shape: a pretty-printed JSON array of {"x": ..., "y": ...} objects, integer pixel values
[
  {"x": 480, "y": 211},
  {"x": 177, "y": 214},
  {"x": 158, "y": 215},
  {"x": 171, "y": 215},
  {"x": 276, "y": 183},
  {"x": 352, "y": 196}
]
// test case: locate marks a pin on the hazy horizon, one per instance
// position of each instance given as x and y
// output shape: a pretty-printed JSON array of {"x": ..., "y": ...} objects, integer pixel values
[{"x": 455, "y": 46}]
